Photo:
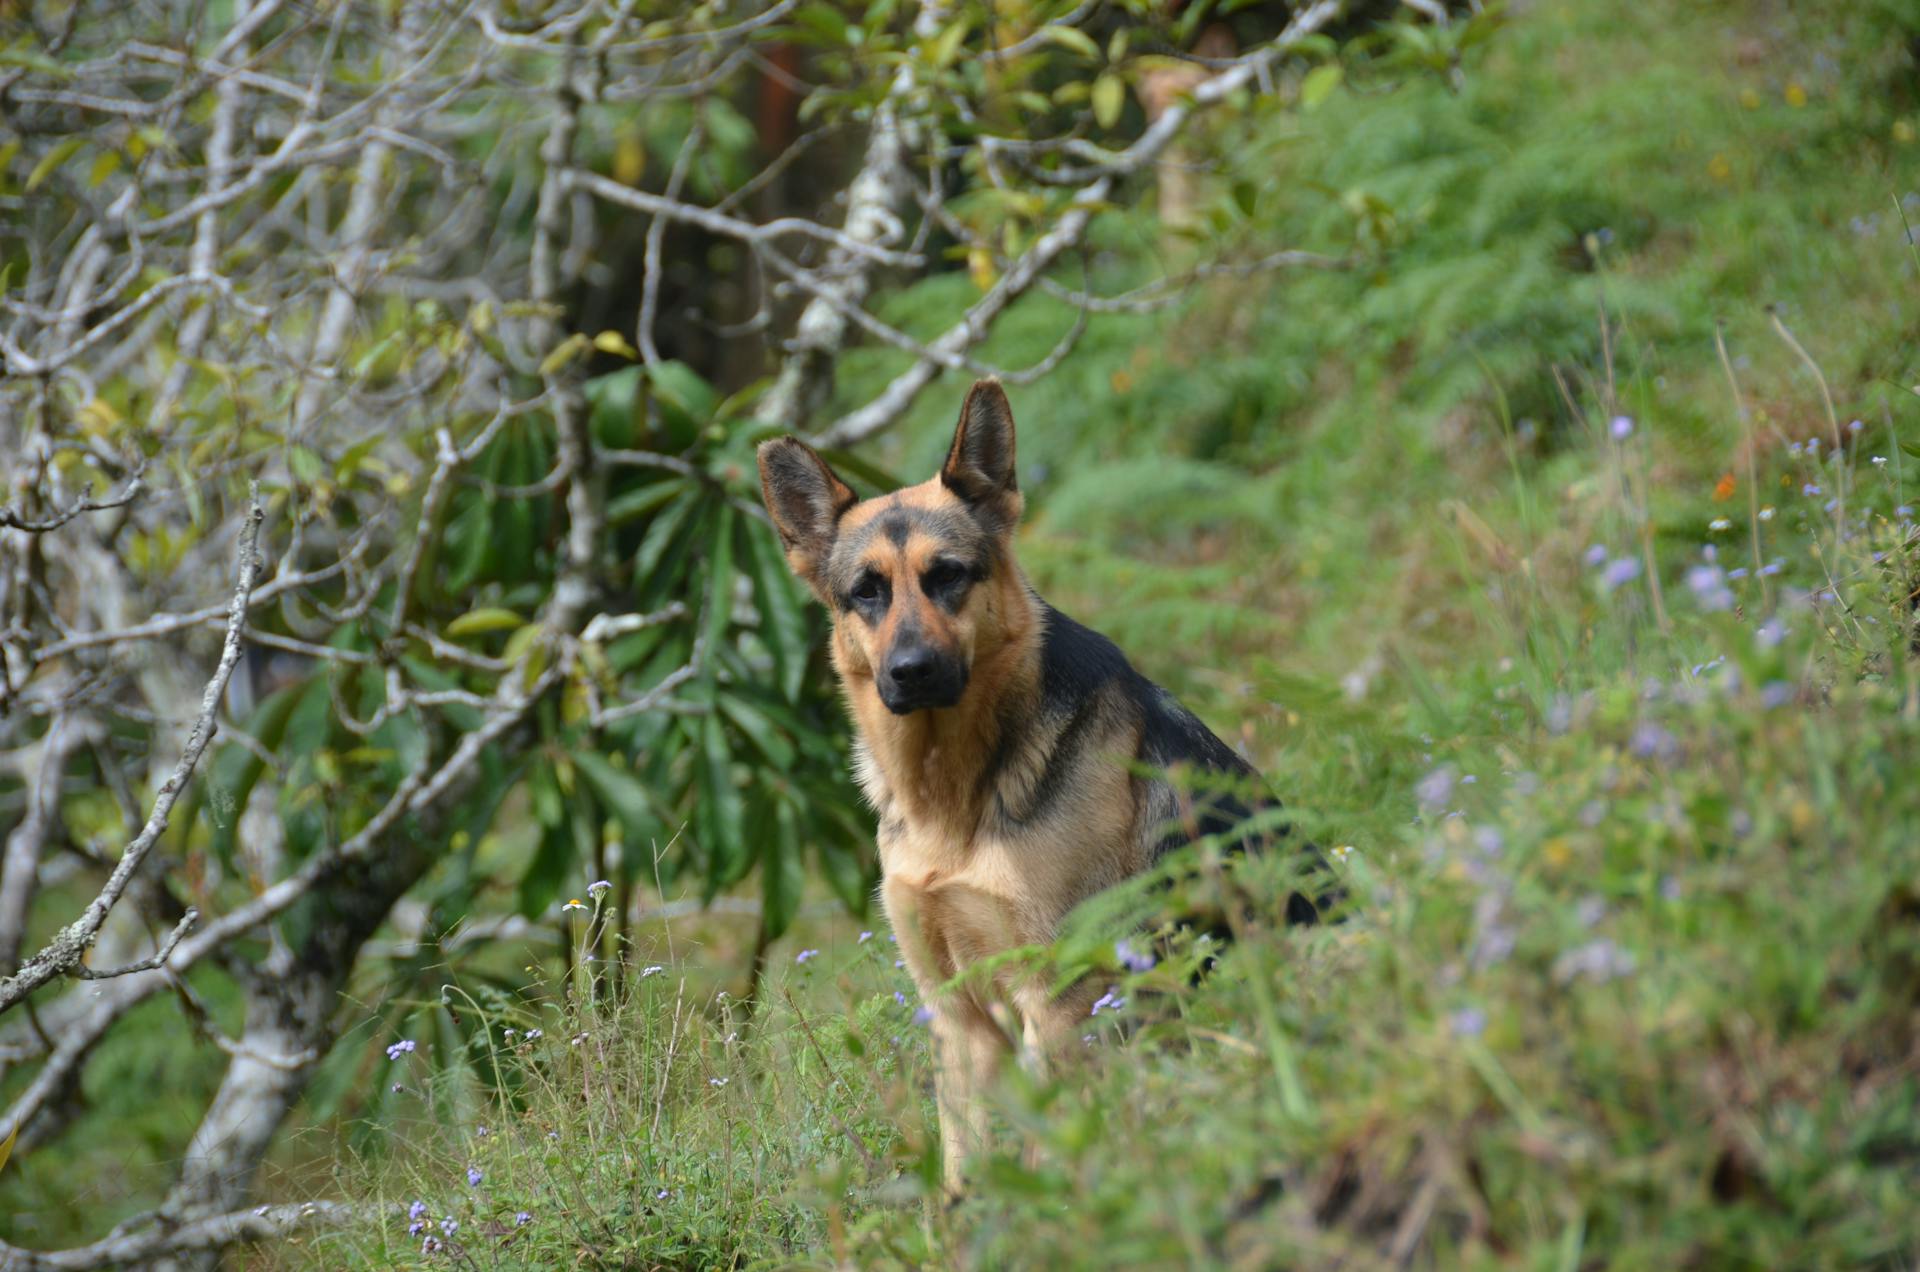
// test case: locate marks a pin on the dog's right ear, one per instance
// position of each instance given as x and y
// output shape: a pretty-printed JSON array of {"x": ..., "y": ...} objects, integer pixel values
[{"x": 806, "y": 502}]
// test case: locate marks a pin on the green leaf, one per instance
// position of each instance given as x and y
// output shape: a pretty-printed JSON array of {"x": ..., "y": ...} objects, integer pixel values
[
  {"x": 105, "y": 164},
  {"x": 1072, "y": 39},
  {"x": 1319, "y": 85},
  {"x": 686, "y": 401},
  {"x": 846, "y": 875},
  {"x": 614, "y": 342},
  {"x": 625, "y": 797},
  {"x": 1109, "y": 99},
  {"x": 548, "y": 869},
  {"x": 720, "y": 574},
  {"x": 782, "y": 876},
  {"x": 783, "y": 620},
  {"x": 760, "y": 730},
  {"x": 722, "y": 815},
  {"x": 660, "y": 535},
  {"x": 633, "y": 504},
  {"x": 237, "y": 769},
  {"x": 563, "y": 354},
  {"x": 946, "y": 46},
  {"x": 52, "y": 160},
  {"x": 484, "y": 619}
]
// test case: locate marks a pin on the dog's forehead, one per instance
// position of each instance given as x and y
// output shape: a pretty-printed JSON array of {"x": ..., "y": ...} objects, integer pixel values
[{"x": 916, "y": 523}]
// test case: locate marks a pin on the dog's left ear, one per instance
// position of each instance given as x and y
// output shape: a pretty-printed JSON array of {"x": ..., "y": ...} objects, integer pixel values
[
  {"x": 806, "y": 500},
  {"x": 980, "y": 463}
]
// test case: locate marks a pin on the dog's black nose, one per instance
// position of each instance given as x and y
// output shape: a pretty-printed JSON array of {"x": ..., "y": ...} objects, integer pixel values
[{"x": 913, "y": 668}]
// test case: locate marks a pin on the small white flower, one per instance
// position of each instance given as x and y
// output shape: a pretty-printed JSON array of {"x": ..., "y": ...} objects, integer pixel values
[
  {"x": 653, "y": 970},
  {"x": 574, "y": 903},
  {"x": 716, "y": 1082},
  {"x": 1719, "y": 523},
  {"x": 1879, "y": 461},
  {"x": 1341, "y": 853},
  {"x": 1766, "y": 513}
]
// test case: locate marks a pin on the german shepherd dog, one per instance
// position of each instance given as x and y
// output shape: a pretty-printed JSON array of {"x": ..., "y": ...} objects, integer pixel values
[{"x": 1016, "y": 760}]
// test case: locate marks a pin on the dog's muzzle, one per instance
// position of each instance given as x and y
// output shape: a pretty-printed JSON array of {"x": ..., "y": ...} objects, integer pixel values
[{"x": 917, "y": 677}]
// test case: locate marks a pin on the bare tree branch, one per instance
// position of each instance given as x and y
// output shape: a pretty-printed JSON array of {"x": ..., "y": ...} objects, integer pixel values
[{"x": 63, "y": 954}]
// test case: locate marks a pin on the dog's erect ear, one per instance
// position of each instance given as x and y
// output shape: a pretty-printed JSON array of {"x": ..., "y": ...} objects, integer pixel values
[
  {"x": 980, "y": 463},
  {"x": 806, "y": 502}
]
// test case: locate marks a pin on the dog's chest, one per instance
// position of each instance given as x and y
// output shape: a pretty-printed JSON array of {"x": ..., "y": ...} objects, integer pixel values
[{"x": 954, "y": 903}]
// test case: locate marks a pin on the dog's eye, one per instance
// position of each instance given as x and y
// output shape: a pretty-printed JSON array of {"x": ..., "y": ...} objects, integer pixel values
[
  {"x": 944, "y": 575},
  {"x": 867, "y": 589}
]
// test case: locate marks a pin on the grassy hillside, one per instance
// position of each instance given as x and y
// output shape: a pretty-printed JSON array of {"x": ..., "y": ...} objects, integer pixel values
[{"x": 1586, "y": 648}]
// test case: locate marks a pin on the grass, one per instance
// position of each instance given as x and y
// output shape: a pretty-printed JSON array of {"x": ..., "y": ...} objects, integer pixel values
[
  {"x": 1630, "y": 974},
  {"x": 1631, "y": 971}
]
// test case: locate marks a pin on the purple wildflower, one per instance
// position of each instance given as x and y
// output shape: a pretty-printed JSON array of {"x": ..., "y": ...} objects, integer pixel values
[
  {"x": 1468, "y": 1022},
  {"x": 474, "y": 1176},
  {"x": 449, "y": 1225},
  {"x": 806, "y": 956},
  {"x": 1110, "y": 1000},
  {"x": 432, "y": 1245},
  {"x": 1619, "y": 572},
  {"x": 1622, "y": 427},
  {"x": 1708, "y": 583},
  {"x": 1650, "y": 741},
  {"x": 1436, "y": 788},
  {"x": 522, "y": 1218},
  {"x": 1598, "y": 960},
  {"x": 1596, "y": 556},
  {"x": 401, "y": 1048},
  {"x": 1776, "y": 693},
  {"x": 1133, "y": 960},
  {"x": 923, "y": 1015},
  {"x": 417, "y": 1209},
  {"x": 864, "y": 938},
  {"x": 1770, "y": 633}
]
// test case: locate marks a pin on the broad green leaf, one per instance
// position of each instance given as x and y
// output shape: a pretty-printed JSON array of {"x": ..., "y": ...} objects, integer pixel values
[
  {"x": 1071, "y": 38},
  {"x": 563, "y": 354},
  {"x": 686, "y": 401},
  {"x": 783, "y": 876},
  {"x": 633, "y": 504},
  {"x": 237, "y": 769},
  {"x": 660, "y": 536},
  {"x": 623, "y": 795},
  {"x": 1109, "y": 99},
  {"x": 1319, "y": 84},
  {"x": 783, "y": 622},
  {"x": 720, "y": 576},
  {"x": 485, "y": 619},
  {"x": 547, "y": 871},
  {"x": 105, "y": 164},
  {"x": 723, "y": 817},
  {"x": 760, "y": 730},
  {"x": 946, "y": 45},
  {"x": 51, "y": 161},
  {"x": 845, "y": 875},
  {"x": 614, "y": 342}
]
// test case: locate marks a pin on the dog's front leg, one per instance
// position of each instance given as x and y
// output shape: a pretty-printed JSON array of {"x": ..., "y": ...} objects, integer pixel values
[{"x": 969, "y": 1048}]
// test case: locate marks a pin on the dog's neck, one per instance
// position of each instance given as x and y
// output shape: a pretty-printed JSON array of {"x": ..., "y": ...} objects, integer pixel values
[{"x": 933, "y": 770}]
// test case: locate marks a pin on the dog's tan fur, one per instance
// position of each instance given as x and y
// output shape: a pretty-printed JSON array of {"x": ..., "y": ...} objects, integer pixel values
[{"x": 1000, "y": 812}]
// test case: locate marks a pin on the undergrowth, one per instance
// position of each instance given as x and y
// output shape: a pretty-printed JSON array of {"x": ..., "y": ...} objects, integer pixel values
[{"x": 1557, "y": 562}]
